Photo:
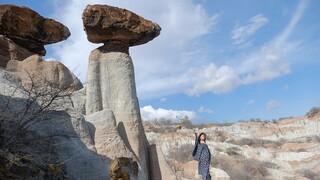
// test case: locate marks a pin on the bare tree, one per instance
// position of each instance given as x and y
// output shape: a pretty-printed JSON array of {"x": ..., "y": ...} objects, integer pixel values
[
  {"x": 30, "y": 103},
  {"x": 24, "y": 106}
]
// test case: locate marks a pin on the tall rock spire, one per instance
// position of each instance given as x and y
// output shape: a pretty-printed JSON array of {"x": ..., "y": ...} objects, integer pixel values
[{"x": 110, "y": 79}]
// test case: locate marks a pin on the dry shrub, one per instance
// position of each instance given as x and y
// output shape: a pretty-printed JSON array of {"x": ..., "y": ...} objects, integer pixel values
[
  {"x": 315, "y": 139},
  {"x": 310, "y": 174},
  {"x": 182, "y": 154},
  {"x": 233, "y": 151},
  {"x": 314, "y": 112},
  {"x": 238, "y": 167},
  {"x": 218, "y": 136},
  {"x": 256, "y": 143}
]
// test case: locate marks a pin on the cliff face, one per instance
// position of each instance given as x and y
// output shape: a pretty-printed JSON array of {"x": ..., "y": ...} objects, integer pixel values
[{"x": 286, "y": 149}]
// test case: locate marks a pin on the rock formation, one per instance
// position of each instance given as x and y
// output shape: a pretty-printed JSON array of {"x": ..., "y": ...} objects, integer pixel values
[
  {"x": 35, "y": 70},
  {"x": 110, "y": 79},
  {"x": 10, "y": 50},
  {"x": 24, "y": 31},
  {"x": 121, "y": 168}
]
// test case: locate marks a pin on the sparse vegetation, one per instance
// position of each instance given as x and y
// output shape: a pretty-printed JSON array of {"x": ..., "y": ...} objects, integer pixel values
[
  {"x": 238, "y": 167},
  {"x": 310, "y": 174},
  {"x": 313, "y": 112},
  {"x": 23, "y": 151},
  {"x": 182, "y": 154},
  {"x": 167, "y": 125},
  {"x": 257, "y": 142}
]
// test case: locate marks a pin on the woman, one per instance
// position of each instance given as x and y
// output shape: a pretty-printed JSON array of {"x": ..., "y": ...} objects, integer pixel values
[{"x": 202, "y": 154}]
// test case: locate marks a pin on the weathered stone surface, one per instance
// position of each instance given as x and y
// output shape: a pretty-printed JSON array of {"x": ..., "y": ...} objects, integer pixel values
[
  {"x": 110, "y": 80},
  {"x": 124, "y": 169},
  {"x": 116, "y": 91},
  {"x": 159, "y": 167},
  {"x": 30, "y": 30},
  {"x": 39, "y": 71},
  {"x": 107, "y": 140},
  {"x": 74, "y": 147},
  {"x": 11, "y": 51},
  {"x": 111, "y": 86},
  {"x": 104, "y": 24}
]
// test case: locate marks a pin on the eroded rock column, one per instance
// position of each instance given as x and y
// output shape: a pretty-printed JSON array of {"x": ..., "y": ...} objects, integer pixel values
[{"x": 110, "y": 78}]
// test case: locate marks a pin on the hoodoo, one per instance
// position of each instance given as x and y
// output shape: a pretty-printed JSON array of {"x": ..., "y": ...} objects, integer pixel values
[{"x": 111, "y": 84}]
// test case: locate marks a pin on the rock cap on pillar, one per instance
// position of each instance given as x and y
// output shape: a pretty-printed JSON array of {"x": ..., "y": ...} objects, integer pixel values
[
  {"x": 29, "y": 29},
  {"x": 108, "y": 24}
]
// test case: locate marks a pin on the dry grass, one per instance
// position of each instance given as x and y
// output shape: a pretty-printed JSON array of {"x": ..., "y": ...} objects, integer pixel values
[
  {"x": 310, "y": 174},
  {"x": 182, "y": 154},
  {"x": 240, "y": 168},
  {"x": 256, "y": 143}
]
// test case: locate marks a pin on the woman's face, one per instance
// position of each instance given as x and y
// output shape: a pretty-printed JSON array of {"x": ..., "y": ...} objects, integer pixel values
[{"x": 203, "y": 137}]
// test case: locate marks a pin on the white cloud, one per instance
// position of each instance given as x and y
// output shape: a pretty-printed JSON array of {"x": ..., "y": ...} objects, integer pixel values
[
  {"x": 182, "y": 22},
  {"x": 272, "y": 105},
  {"x": 250, "y": 102},
  {"x": 162, "y": 66},
  {"x": 241, "y": 34},
  {"x": 213, "y": 79},
  {"x": 202, "y": 109},
  {"x": 271, "y": 60},
  {"x": 149, "y": 113}
]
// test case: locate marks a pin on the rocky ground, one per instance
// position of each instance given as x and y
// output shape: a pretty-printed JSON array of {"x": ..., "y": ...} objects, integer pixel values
[{"x": 284, "y": 149}]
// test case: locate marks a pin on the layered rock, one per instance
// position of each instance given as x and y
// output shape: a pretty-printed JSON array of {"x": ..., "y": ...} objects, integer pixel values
[
  {"x": 24, "y": 32},
  {"x": 110, "y": 79},
  {"x": 11, "y": 51}
]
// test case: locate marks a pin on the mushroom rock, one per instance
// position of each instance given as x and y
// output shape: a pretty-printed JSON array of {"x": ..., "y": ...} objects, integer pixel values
[
  {"x": 110, "y": 79},
  {"x": 30, "y": 30}
]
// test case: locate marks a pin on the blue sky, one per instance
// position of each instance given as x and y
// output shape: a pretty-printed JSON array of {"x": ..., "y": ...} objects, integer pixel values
[{"x": 214, "y": 61}]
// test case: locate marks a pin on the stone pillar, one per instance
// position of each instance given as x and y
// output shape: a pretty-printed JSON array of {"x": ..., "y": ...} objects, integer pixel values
[{"x": 110, "y": 79}]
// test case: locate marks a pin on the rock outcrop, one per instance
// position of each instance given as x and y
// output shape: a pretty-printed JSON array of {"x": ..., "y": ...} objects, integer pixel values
[
  {"x": 34, "y": 70},
  {"x": 26, "y": 32},
  {"x": 110, "y": 79},
  {"x": 10, "y": 50}
]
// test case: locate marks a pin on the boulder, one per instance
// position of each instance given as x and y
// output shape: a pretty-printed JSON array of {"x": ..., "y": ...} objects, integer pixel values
[
  {"x": 104, "y": 24},
  {"x": 30, "y": 30},
  {"x": 40, "y": 72},
  {"x": 11, "y": 51},
  {"x": 123, "y": 168}
]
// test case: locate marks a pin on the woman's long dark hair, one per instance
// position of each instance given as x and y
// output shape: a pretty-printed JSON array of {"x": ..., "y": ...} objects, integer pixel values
[{"x": 200, "y": 136}]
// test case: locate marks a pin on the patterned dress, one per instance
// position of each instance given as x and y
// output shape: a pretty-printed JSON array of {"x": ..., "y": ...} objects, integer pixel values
[
  {"x": 204, "y": 163},
  {"x": 203, "y": 155}
]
